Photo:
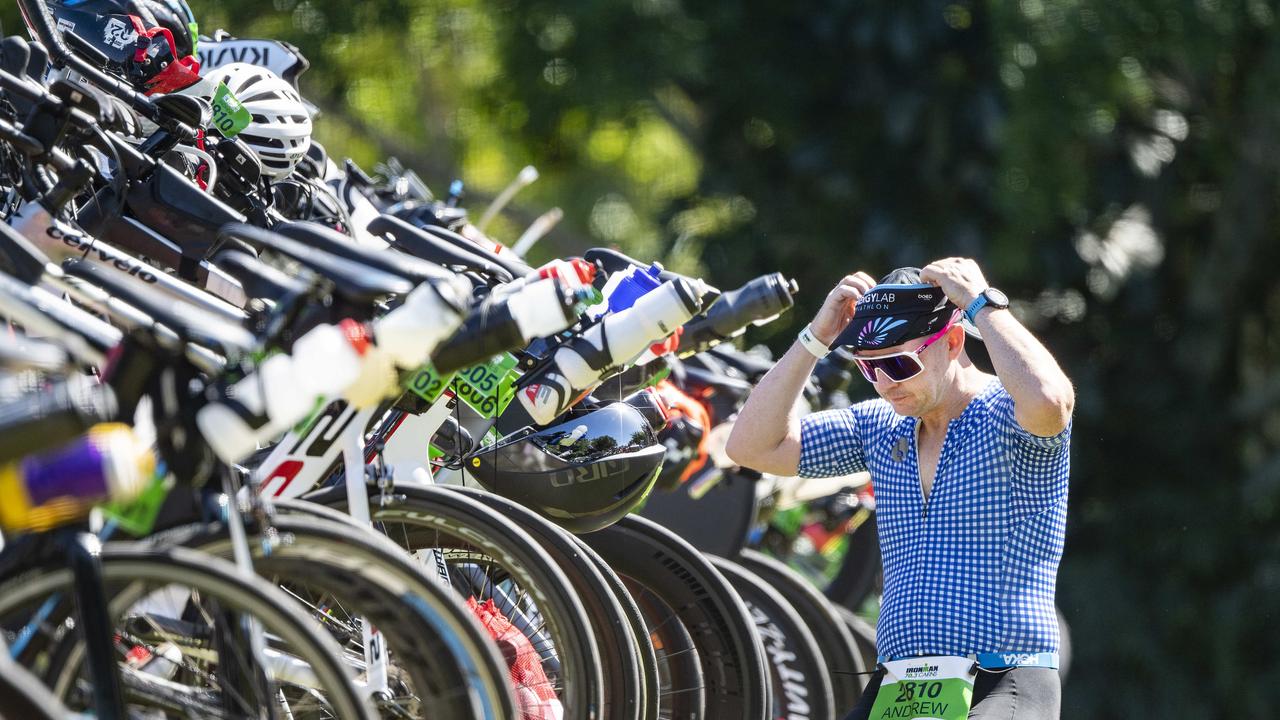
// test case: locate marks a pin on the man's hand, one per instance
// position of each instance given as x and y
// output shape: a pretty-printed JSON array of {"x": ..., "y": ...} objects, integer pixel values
[
  {"x": 960, "y": 278},
  {"x": 837, "y": 309}
]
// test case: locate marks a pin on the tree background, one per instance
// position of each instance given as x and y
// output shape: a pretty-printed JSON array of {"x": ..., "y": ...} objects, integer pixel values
[{"x": 1112, "y": 165}]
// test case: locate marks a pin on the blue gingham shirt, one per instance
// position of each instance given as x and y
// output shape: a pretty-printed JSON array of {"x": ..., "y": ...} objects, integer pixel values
[{"x": 972, "y": 570}]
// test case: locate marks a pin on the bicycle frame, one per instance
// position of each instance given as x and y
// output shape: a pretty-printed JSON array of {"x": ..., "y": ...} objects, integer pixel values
[{"x": 60, "y": 240}]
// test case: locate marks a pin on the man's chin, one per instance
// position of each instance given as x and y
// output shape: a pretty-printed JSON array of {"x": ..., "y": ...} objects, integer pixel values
[{"x": 904, "y": 406}]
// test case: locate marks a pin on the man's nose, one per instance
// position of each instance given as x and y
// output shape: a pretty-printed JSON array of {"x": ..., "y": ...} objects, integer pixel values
[{"x": 883, "y": 380}]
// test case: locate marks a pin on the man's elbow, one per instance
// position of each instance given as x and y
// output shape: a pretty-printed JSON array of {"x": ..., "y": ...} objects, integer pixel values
[
  {"x": 1052, "y": 409},
  {"x": 1062, "y": 400}
]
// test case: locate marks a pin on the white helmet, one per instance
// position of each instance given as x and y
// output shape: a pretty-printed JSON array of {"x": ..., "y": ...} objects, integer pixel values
[{"x": 280, "y": 132}]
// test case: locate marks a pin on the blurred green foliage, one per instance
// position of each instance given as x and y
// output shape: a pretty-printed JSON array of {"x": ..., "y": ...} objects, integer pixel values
[{"x": 1113, "y": 165}]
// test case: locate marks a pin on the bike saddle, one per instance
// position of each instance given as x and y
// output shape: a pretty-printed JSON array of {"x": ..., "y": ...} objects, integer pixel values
[
  {"x": 185, "y": 109},
  {"x": 259, "y": 279}
]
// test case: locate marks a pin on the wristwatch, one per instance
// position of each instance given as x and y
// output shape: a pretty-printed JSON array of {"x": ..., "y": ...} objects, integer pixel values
[{"x": 989, "y": 297}]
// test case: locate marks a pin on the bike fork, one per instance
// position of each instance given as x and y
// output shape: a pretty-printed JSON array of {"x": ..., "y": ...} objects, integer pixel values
[
  {"x": 375, "y": 652},
  {"x": 83, "y": 552}
]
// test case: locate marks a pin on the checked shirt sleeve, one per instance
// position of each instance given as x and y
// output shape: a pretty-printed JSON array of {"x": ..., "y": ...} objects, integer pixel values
[
  {"x": 1036, "y": 444},
  {"x": 830, "y": 444}
]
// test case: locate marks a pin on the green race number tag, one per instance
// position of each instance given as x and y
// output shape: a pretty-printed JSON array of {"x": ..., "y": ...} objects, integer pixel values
[
  {"x": 229, "y": 116},
  {"x": 929, "y": 688},
  {"x": 428, "y": 384},
  {"x": 489, "y": 387}
]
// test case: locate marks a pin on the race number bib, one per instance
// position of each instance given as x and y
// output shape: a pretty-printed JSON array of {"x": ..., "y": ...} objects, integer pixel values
[{"x": 928, "y": 688}]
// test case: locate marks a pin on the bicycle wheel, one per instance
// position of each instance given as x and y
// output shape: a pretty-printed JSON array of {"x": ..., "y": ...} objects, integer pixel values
[
  {"x": 624, "y": 691},
  {"x": 643, "y": 646},
  {"x": 864, "y": 636},
  {"x": 733, "y": 665},
  {"x": 438, "y": 658},
  {"x": 681, "y": 688},
  {"x": 797, "y": 669},
  {"x": 843, "y": 660},
  {"x": 488, "y": 557},
  {"x": 185, "y": 597},
  {"x": 22, "y": 696},
  {"x": 845, "y": 567},
  {"x": 860, "y": 574}
]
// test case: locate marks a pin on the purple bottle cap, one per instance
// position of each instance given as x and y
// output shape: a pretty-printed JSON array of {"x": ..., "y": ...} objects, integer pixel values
[{"x": 78, "y": 470}]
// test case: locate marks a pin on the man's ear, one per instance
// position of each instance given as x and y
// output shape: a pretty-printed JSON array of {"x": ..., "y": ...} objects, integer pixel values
[{"x": 955, "y": 341}]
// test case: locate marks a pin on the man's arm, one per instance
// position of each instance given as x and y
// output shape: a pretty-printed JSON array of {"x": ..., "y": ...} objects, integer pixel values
[
  {"x": 766, "y": 434},
  {"x": 1043, "y": 397}
]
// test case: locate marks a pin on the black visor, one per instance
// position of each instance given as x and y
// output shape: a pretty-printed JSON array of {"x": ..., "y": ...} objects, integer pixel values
[{"x": 891, "y": 314}]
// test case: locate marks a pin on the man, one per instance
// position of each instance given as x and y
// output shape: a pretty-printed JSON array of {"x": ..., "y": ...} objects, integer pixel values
[{"x": 970, "y": 473}]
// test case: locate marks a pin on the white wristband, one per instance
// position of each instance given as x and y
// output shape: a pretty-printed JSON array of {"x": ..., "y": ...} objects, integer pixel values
[{"x": 815, "y": 346}]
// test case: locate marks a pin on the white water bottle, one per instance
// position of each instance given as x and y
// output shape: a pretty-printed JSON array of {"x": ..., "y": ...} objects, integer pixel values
[
  {"x": 539, "y": 309},
  {"x": 575, "y": 273},
  {"x": 581, "y": 363},
  {"x": 265, "y": 403},
  {"x": 428, "y": 315}
]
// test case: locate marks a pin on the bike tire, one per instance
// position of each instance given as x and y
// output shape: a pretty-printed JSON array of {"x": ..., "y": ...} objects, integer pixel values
[
  {"x": 837, "y": 645},
  {"x": 735, "y": 678},
  {"x": 624, "y": 689},
  {"x": 23, "y": 696},
  {"x": 455, "y": 668},
  {"x": 639, "y": 630},
  {"x": 860, "y": 574},
  {"x": 423, "y": 517},
  {"x": 678, "y": 668},
  {"x": 128, "y": 568},
  {"x": 797, "y": 668},
  {"x": 864, "y": 635}
]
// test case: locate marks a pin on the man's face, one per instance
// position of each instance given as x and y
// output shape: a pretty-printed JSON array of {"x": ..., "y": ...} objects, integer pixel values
[{"x": 917, "y": 395}]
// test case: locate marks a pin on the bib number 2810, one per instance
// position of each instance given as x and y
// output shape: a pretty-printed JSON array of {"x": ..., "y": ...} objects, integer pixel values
[{"x": 932, "y": 688}]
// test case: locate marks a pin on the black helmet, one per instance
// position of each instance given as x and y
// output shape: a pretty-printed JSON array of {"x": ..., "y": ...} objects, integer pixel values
[
  {"x": 133, "y": 36},
  {"x": 172, "y": 15},
  {"x": 176, "y": 17},
  {"x": 583, "y": 474}
]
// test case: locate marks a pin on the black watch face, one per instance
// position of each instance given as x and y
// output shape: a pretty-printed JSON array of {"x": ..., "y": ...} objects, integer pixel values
[{"x": 995, "y": 298}]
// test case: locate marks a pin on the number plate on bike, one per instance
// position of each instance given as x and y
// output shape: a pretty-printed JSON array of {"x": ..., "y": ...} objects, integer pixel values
[
  {"x": 229, "y": 116},
  {"x": 928, "y": 688},
  {"x": 489, "y": 387},
  {"x": 427, "y": 383}
]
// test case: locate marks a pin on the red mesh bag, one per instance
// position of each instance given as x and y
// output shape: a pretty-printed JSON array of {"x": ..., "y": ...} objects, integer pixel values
[{"x": 535, "y": 696}]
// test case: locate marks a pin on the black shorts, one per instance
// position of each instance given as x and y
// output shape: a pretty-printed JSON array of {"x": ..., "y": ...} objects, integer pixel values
[{"x": 1025, "y": 693}]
